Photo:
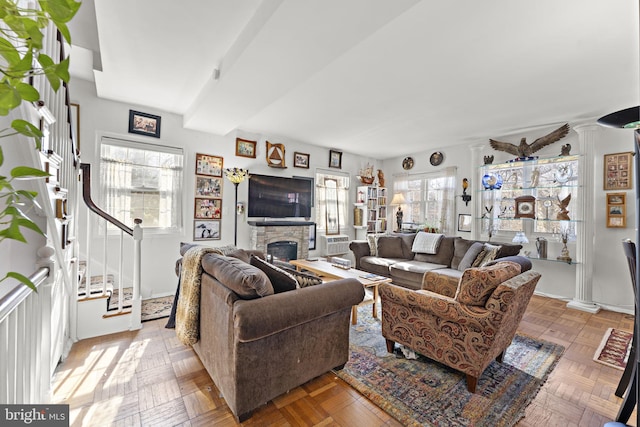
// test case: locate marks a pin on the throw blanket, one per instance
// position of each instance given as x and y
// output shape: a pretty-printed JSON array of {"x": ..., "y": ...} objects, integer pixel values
[
  {"x": 426, "y": 243},
  {"x": 188, "y": 310}
]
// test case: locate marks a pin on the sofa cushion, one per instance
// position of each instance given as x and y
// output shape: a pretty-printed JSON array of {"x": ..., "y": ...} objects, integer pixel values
[
  {"x": 477, "y": 284},
  {"x": 426, "y": 243},
  {"x": 304, "y": 279},
  {"x": 525, "y": 263},
  {"x": 508, "y": 249},
  {"x": 247, "y": 281},
  {"x": 280, "y": 279},
  {"x": 407, "y": 242},
  {"x": 443, "y": 281},
  {"x": 389, "y": 247},
  {"x": 240, "y": 254},
  {"x": 460, "y": 248},
  {"x": 487, "y": 255},
  {"x": 378, "y": 265},
  {"x": 444, "y": 255},
  {"x": 373, "y": 244},
  {"x": 412, "y": 271},
  {"x": 470, "y": 256}
]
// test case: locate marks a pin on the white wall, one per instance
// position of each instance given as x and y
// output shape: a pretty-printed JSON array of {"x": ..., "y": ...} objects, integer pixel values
[{"x": 99, "y": 116}]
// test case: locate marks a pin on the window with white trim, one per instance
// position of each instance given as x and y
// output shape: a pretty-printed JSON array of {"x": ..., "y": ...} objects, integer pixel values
[
  {"x": 141, "y": 180},
  {"x": 429, "y": 200},
  {"x": 321, "y": 201}
]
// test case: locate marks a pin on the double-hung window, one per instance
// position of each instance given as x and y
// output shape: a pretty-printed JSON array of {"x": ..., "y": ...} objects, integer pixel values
[
  {"x": 429, "y": 199},
  {"x": 140, "y": 180},
  {"x": 342, "y": 187}
]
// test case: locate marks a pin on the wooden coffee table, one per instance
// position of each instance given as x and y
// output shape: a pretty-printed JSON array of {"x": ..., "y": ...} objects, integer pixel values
[{"x": 328, "y": 272}]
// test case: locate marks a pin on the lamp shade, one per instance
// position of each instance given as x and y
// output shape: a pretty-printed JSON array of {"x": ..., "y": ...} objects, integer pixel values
[
  {"x": 398, "y": 199},
  {"x": 628, "y": 118},
  {"x": 520, "y": 237}
]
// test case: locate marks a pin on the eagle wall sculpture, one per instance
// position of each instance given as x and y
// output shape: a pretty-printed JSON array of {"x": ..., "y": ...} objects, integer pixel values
[{"x": 524, "y": 150}]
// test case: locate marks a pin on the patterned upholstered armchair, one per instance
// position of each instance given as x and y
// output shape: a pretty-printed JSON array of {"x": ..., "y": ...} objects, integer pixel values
[{"x": 465, "y": 332}]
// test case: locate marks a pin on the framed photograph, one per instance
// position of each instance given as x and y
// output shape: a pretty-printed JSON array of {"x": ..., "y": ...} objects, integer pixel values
[
  {"x": 312, "y": 237},
  {"x": 618, "y": 171},
  {"x": 144, "y": 124},
  {"x": 617, "y": 210},
  {"x": 209, "y": 187},
  {"x": 207, "y": 208},
  {"x": 464, "y": 222},
  {"x": 208, "y": 229},
  {"x": 208, "y": 165},
  {"x": 300, "y": 160},
  {"x": 335, "y": 159},
  {"x": 245, "y": 148}
]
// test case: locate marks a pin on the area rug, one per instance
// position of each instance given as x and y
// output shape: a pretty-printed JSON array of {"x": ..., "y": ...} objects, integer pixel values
[
  {"x": 614, "y": 348},
  {"x": 152, "y": 308},
  {"x": 422, "y": 392}
]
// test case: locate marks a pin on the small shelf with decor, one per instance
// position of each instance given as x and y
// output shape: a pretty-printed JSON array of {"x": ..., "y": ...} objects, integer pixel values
[
  {"x": 371, "y": 206},
  {"x": 537, "y": 197}
]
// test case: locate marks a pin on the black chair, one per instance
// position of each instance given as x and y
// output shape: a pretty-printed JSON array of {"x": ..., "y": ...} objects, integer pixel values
[{"x": 629, "y": 375}]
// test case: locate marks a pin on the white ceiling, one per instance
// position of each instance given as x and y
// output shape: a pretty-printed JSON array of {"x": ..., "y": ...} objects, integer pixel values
[{"x": 377, "y": 78}]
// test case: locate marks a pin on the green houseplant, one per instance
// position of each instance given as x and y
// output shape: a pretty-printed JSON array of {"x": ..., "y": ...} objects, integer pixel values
[{"x": 22, "y": 33}]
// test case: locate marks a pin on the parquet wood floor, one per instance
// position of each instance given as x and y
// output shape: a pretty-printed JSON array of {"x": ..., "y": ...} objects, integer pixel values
[{"x": 147, "y": 378}]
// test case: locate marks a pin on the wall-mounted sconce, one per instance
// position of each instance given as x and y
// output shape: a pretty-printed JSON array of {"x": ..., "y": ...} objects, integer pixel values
[
  {"x": 240, "y": 208},
  {"x": 466, "y": 198}
]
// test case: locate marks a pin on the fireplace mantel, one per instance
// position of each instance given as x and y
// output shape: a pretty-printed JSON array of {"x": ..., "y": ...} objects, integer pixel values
[{"x": 279, "y": 223}]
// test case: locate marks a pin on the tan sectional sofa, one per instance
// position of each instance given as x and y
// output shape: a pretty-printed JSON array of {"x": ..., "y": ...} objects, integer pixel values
[{"x": 393, "y": 257}]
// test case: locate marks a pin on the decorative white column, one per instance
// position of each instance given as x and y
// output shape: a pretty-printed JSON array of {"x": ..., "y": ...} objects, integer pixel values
[
  {"x": 476, "y": 159},
  {"x": 582, "y": 299}
]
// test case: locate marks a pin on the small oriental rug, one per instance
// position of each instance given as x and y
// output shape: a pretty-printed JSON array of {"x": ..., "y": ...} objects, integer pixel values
[
  {"x": 614, "y": 348},
  {"x": 152, "y": 308},
  {"x": 422, "y": 392}
]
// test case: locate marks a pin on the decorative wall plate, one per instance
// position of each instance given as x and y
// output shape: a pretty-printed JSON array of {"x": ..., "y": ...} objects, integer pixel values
[
  {"x": 563, "y": 173},
  {"x": 436, "y": 158},
  {"x": 407, "y": 163},
  {"x": 491, "y": 181}
]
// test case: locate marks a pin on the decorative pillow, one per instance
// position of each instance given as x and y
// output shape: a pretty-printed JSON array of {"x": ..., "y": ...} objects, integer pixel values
[
  {"x": 389, "y": 247},
  {"x": 477, "y": 284},
  {"x": 470, "y": 256},
  {"x": 246, "y": 281},
  {"x": 373, "y": 244},
  {"x": 426, "y": 243},
  {"x": 241, "y": 254},
  {"x": 488, "y": 254},
  {"x": 280, "y": 279},
  {"x": 304, "y": 279}
]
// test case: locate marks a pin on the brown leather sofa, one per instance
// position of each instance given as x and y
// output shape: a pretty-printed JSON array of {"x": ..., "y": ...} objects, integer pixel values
[
  {"x": 256, "y": 349},
  {"x": 467, "y": 331},
  {"x": 393, "y": 256}
]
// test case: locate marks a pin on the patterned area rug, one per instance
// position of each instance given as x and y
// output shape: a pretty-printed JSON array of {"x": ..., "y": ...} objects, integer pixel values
[
  {"x": 422, "y": 392},
  {"x": 614, "y": 348},
  {"x": 153, "y": 308}
]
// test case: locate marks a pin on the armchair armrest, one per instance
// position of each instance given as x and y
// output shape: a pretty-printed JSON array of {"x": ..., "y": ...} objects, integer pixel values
[
  {"x": 257, "y": 318},
  {"x": 359, "y": 248}
]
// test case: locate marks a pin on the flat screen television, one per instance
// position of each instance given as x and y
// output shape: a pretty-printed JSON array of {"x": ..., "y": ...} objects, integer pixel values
[{"x": 279, "y": 197}]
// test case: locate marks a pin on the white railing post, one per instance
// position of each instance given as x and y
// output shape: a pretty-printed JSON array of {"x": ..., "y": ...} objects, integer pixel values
[
  {"x": 137, "y": 261},
  {"x": 120, "y": 278}
]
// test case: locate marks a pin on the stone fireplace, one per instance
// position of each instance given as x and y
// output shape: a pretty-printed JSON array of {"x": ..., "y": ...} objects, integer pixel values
[{"x": 265, "y": 232}]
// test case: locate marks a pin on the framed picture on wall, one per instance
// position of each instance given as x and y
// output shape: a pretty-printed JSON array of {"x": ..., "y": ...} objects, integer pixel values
[
  {"x": 207, "y": 208},
  {"x": 300, "y": 160},
  {"x": 618, "y": 171},
  {"x": 464, "y": 222},
  {"x": 208, "y": 165},
  {"x": 245, "y": 148},
  {"x": 617, "y": 210},
  {"x": 335, "y": 159},
  {"x": 207, "y": 186},
  {"x": 144, "y": 124},
  {"x": 208, "y": 229}
]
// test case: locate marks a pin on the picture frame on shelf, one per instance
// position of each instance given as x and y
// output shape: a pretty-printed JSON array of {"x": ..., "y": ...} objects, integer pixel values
[
  {"x": 246, "y": 148},
  {"x": 144, "y": 124},
  {"x": 618, "y": 171},
  {"x": 335, "y": 159},
  {"x": 616, "y": 210},
  {"x": 300, "y": 160},
  {"x": 207, "y": 229},
  {"x": 464, "y": 222},
  {"x": 208, "y": 165},
  {"x": 207, "y": 208},
  {"x": 209, "y": 187}
]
